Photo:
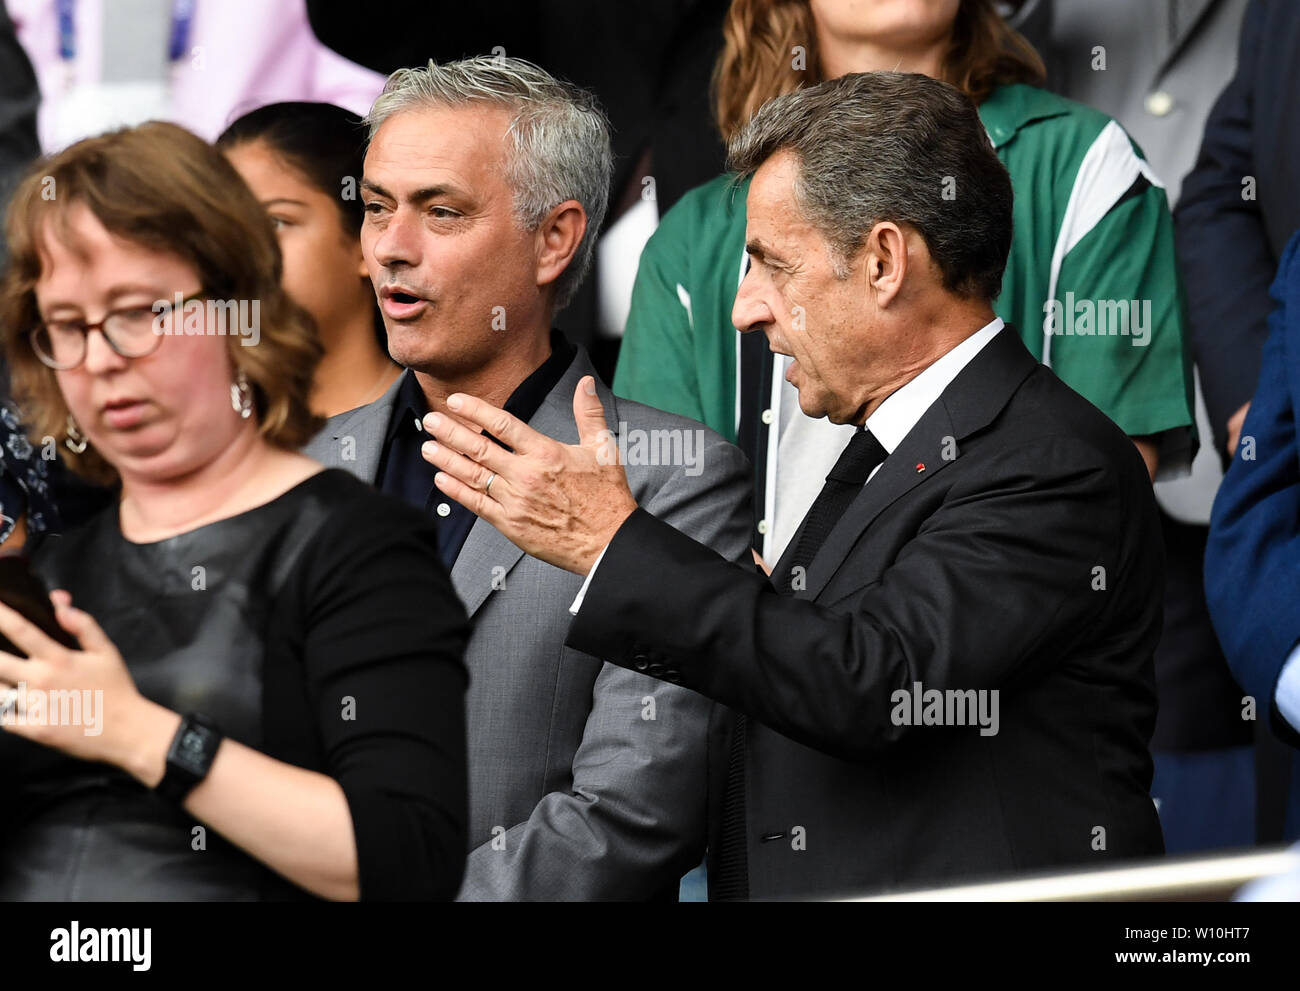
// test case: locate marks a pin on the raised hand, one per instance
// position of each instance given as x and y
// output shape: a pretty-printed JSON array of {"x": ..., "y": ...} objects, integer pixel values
[{"x": 561, "y": 503}]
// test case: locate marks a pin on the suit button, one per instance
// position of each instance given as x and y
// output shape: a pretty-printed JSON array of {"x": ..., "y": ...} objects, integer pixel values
[
  {"x": 640, "y": 661},
  {"x": 655, "y": 670},
  {"x": 762, "y": 526},
  {"x": 767, "y": 416},
  {"x": 1159, "y": 103},
  {"x": 673, "y": 676}
]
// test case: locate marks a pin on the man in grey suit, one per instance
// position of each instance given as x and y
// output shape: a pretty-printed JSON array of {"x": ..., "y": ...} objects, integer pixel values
[{"x": 485, "y": 184}]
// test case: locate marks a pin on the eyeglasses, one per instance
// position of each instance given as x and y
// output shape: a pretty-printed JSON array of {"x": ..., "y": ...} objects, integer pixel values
[{"x": 132, "y": 332}]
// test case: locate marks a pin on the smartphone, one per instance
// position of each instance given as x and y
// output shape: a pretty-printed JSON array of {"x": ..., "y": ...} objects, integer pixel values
[{"x": 23, "y": 591}]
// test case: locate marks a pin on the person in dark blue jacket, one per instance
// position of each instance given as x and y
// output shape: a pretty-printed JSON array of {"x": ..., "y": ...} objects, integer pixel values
[{"x": 1252, "y": 561}]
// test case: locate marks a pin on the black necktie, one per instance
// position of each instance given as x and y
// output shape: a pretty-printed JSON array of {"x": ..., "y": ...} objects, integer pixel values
[{"x": 860, "y": 457}]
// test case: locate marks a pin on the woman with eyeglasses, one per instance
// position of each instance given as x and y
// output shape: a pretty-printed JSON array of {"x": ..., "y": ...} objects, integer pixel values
[{"x": 250, "y": 686}]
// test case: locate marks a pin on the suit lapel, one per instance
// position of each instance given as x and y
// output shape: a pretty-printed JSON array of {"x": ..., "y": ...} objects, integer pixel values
[
  {"x": 482, "y": 564},
  {"x": 363, "y": 428},
  {"x": 919, "y": 457},
  {"x": 971, "y": 401},
  {"x": 1190, "y": 13},
  {"x": 487, "y": 556}
]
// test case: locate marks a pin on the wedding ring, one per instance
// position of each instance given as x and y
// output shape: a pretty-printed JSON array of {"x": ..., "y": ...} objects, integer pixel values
[{"x": 491, "y": 478}]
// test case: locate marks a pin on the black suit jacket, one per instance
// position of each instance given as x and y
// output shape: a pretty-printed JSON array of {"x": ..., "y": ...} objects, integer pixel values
[{"x": 1010, "y": 542}]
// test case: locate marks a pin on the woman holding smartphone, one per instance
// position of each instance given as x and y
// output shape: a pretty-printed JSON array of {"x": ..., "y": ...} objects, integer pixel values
[{"x": 267, "y": 697}]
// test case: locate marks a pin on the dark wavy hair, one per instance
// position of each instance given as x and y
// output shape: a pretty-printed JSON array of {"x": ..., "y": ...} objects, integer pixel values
[{"x": 324, "y": 144}]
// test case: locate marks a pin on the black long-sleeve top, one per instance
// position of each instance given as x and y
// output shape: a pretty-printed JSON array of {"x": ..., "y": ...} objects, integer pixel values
[{"x": 319, "y": 628}]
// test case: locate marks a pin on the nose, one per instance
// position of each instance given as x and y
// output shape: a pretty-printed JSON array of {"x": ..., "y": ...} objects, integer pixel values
[
  {"x": 750, "y": 312},
  {"x": 100, "y": 358},
  {"x": 398, "y": 243}
]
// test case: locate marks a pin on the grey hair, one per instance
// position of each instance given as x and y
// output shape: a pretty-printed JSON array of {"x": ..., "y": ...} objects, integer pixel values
[
  {"x": 891, "y": 146},
  {"x": 558, "y": 139}
]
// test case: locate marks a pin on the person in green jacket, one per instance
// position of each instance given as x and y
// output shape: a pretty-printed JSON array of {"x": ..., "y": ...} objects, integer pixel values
[{"x": 1091, "y": 284}]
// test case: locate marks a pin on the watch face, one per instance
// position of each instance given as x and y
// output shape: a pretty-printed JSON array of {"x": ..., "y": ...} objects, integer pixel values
[{"x": 192, "y": 748}]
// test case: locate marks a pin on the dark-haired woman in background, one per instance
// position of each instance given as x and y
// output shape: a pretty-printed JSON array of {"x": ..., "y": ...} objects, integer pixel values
[{"x": 303, "y": 162}]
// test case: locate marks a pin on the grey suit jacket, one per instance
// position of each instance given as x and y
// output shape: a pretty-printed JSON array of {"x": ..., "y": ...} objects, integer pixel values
[{"x": 587, "y": 781}]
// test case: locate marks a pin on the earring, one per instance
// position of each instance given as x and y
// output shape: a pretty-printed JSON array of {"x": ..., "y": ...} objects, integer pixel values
[
  {"x": 75, "y": 441},
  {"x": 241, "y": 396}
]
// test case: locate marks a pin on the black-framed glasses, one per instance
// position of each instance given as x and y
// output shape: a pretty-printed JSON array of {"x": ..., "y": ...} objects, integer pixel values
[{"x": 132, "y": 332}]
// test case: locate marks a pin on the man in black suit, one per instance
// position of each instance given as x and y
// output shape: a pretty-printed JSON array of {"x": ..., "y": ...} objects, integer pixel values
[{"x": 949, "y": 672}]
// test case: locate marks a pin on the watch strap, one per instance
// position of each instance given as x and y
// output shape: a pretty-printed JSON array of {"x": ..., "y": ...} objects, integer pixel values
[{"x": 190, "y": 756}]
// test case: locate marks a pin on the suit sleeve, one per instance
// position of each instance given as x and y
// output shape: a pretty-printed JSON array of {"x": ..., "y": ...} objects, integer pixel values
[
  {"x": 1252, "y": 559},
  {"x": 1227, "y": 290},
  {"x": 1020, "y": 543},
  {"x": 635, "y": 818}
]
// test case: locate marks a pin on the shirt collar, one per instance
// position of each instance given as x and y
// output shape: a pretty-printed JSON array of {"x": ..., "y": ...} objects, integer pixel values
[
  {"x": 1009, "y": 108},
  {"x": 410, "y": 404},
  {"x": 903, "y": 408}
]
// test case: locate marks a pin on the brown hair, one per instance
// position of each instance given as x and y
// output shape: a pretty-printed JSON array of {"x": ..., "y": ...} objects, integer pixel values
[
  {"x": 162, "y": 187},
  {"x": 761, "y": 35}
]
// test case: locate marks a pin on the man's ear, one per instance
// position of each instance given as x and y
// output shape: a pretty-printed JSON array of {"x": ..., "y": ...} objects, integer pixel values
[
  {"x": 885, "y": 254},
  {"x": 557, "y": 240}
]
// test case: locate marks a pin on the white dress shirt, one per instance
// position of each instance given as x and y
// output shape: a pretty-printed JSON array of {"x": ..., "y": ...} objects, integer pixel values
[{"x": 1287, "y": 693}]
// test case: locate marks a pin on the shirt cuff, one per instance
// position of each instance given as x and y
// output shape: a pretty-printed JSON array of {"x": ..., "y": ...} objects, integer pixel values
[
  {"x": 582, "y": 592},
  {"x": 1287, "y": 694}
]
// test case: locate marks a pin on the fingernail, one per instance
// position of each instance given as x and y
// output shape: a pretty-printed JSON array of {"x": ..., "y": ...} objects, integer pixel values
[
  {"x": 431, "y": 421},
  {"x": 590, "y": 386},
  {"x": 453, "y": 401},
  {"x": 428, "y": 447}
]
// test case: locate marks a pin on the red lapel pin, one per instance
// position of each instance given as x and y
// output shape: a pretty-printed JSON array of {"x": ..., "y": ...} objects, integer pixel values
[{"x": 920, "y": 467}]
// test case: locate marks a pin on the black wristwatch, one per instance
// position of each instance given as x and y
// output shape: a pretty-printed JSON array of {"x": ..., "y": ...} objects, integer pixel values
[{"x": 190, "y": 756}]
